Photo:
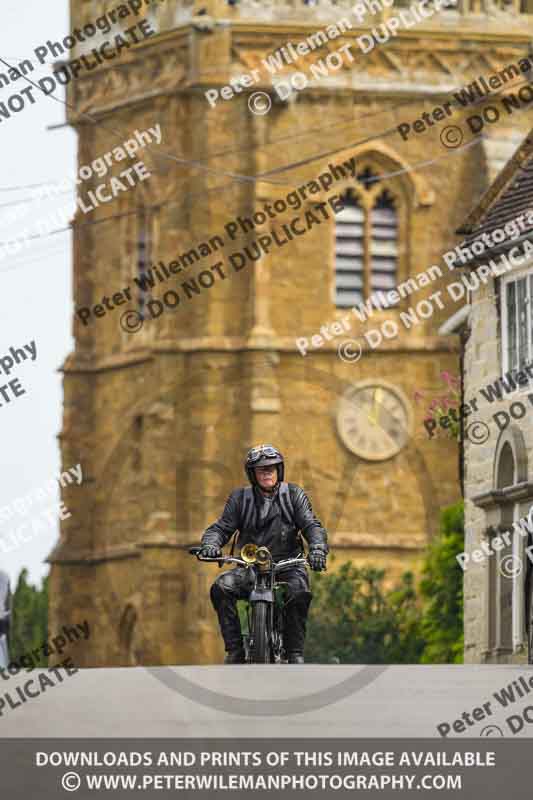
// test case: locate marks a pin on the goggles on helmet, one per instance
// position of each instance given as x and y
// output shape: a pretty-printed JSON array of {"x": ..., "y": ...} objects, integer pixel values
[{"x": 256, "y": 453}]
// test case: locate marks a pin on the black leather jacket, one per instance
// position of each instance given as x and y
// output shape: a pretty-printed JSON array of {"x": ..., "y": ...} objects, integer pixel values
[{"x": 269, "y": 524}]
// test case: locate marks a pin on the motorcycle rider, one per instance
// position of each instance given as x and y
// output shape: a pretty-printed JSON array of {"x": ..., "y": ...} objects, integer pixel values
[{"x": 271, "y": 513}]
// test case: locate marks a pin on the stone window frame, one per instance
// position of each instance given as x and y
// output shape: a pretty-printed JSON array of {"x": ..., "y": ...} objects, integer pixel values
[
  {"x": 523, "y": 271},
  {"x": 498, "y": 503},
  {"x": 417, "y": 195},
  {"x": 413, "y": 193}
]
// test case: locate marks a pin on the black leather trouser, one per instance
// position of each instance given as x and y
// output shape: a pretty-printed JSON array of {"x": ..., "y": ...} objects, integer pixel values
[{"x": 235, "y": 585}]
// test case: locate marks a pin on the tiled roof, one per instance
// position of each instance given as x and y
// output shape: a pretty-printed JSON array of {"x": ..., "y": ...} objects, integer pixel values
[{"x": 509, "y": 196}]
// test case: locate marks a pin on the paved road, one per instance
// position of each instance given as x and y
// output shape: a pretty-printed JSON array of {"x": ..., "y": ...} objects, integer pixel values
[{"x": 306, "y": 701}]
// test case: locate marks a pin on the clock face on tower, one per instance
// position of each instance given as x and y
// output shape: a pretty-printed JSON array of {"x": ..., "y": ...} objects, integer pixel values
[{"x": 374, "y": 419}]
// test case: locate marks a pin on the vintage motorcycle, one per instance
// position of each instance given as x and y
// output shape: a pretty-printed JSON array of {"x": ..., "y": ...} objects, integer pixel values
[{"x": 263, "y": 637}]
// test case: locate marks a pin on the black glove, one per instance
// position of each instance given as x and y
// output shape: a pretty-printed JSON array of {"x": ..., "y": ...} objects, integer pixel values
[
  {"x": 211, "y": 551},
  {"x": 317, "y": 559}
]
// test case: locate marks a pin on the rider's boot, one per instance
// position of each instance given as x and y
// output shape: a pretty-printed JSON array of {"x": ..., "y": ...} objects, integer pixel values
[
  {"x": 235, "y": 655},
  {"x": 224, "y": 599},
  {"x": 294, "y": 629},
  {"x": 295, "y": 658}
]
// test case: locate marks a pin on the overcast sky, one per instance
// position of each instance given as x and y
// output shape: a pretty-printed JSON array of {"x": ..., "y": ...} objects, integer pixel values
[{"x": 37, "y": 295}]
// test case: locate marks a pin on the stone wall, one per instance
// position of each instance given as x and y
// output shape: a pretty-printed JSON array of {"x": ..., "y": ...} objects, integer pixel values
[{"x": 483, "y": 507}]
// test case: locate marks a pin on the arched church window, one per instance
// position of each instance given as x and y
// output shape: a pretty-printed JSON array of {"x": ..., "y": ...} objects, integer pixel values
[
  {"x": 366, "y": 240},
  {"x": 506, "y": 467},
  {"x": 508, "y": 579}
]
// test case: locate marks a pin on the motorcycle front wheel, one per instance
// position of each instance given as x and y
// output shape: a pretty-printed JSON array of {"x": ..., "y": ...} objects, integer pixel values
[{"x": 260, "y": 651}]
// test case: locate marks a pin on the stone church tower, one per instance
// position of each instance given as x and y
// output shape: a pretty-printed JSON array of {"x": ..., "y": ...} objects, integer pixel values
[{"x": 160, "y": 419}]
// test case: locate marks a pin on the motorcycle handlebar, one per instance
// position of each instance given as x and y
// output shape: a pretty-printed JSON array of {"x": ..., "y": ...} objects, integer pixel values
[
  {"x": 195, "y": 551},
  {"x": 289, "y": 562}
]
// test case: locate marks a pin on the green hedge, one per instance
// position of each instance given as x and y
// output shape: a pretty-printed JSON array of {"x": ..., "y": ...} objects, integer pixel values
[{"x": 354, "y": 620}]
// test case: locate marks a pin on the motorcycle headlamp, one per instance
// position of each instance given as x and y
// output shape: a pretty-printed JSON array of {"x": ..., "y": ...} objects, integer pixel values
[
  {"x": 262, "y": 556},
  {"x": 249, "y": 553}
]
